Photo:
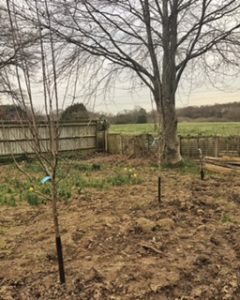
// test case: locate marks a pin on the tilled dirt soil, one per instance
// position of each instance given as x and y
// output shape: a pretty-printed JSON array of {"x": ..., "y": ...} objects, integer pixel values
[{"x": 119, "y": 244}]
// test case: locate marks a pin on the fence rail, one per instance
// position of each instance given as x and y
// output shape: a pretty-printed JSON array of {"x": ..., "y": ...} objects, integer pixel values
[{"x": 17, "y": 138}]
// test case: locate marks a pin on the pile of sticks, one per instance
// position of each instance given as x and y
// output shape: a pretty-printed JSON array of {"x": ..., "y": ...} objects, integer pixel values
[{"x": 225, "y": 164}]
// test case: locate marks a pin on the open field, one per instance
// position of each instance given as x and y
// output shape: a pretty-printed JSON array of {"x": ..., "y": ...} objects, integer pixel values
[
  {"x": 184, "y": 128},
  {"x": 118, "y": 243}
]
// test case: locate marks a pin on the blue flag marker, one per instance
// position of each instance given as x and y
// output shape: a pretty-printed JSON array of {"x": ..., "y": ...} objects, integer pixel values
[{"x": 46, "y": 179}]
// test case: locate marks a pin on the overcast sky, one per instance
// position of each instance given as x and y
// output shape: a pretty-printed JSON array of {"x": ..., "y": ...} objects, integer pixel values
[
  {"x": 124, "y": 98},
  {"x": 195, "y": 89},
  {"x": 204, "y": 95}
]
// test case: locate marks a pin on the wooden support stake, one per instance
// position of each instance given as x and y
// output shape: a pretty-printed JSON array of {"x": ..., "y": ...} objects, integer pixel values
[
  {"x": 202, "y": 174},
  {"x": 60, "y": 260},
  {"x": 159, "y": 190}
]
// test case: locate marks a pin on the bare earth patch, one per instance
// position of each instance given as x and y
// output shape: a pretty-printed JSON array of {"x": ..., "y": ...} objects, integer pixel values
[{"x": 119, "y": 244}]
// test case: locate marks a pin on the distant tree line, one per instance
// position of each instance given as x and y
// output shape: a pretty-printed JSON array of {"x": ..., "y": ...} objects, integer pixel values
[
  {"x": 229, "y": 112},
  {"x": 137, "y": 115}
]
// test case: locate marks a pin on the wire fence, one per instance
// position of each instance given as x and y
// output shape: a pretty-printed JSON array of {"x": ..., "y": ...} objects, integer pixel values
[{"x": 146, "y": 144}]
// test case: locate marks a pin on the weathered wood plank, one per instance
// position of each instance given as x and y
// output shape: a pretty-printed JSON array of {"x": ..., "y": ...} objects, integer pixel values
[
  {"x": 219, "y": 169},
  {"x": 17, "y": 139}
]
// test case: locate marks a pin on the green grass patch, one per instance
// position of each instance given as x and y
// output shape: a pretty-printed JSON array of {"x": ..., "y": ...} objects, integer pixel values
[
  {"x": 119, "y": 180},
  {"x": 132, "y": 128},
  {"x": 8, "y": 200},
  {"x": 184, "y": 167},
  {"x": 184, "y": 128},
  {"x": 33, "y": 167},
  {"x": 116, "y": 180},
  {"x": 72, "y": 179}
]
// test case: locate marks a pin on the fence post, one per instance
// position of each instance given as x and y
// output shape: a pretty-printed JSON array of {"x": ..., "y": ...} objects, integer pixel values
[
  {"x": 106, "y": 140},
  {"x": 216, "y": 152},
  {"x": 238, "y": 146},
  {"x": 180, "y": 144},
  {"x": 121, "y": 144}
]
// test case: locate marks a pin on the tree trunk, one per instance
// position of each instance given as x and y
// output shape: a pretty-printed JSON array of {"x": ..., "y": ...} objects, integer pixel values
[
  {"x": 170, "y": 147},
  {"x": 165, "y": 98},
  {"x": 169, "y": 141}
]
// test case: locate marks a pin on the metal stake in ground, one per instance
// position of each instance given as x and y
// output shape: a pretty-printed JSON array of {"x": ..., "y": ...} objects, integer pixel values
[
  {"x": 202, "y": 174},
  {"x": 159, "y": 190}
]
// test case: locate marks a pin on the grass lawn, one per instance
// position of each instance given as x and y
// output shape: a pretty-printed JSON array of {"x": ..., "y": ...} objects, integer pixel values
[{"x": 184, "y": 128}]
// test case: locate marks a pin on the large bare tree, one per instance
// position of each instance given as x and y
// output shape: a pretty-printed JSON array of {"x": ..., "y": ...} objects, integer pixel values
[{"x": 155, "y": 40}]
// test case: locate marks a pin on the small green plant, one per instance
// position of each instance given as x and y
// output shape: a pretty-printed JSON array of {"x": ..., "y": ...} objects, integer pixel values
[
  {"x": 12, "y": 201},
  {"x": 46, "y": 190},
  {"x": 64, "y": 194},
  {"x": 33, "y": 199},
  {"x": 97, "y": 183},
  {"x": 119, "y": 180},
  {"x": 82, "y": 182},
  {"x": 226, "y": 218},
  {"x": 8, "y": 200},
  {"x": 3, "y": 187}
]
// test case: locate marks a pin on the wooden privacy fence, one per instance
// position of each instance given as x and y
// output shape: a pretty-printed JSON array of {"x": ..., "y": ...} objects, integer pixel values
[
  {"x": 146, "y": 143},
  {"x": 17, "y": 139}
]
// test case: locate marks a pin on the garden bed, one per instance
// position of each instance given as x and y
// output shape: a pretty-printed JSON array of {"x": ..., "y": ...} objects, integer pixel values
[{"x": 118, "y": 242}]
